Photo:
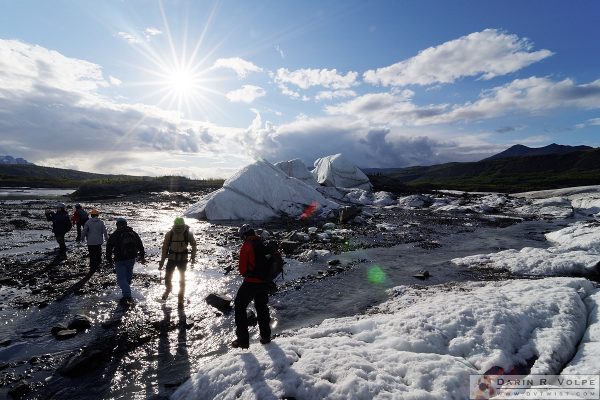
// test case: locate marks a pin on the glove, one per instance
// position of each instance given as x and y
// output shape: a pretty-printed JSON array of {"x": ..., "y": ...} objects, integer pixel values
[{"x": 161, "y": 264}]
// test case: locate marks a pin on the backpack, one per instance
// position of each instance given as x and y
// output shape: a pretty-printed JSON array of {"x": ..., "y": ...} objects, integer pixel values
[
  {"x": 268, "y": 263},
  {"x": 185, "y": 240},
  {"x": 83, "y": 216},
  {"x": 128, "y": 245}
]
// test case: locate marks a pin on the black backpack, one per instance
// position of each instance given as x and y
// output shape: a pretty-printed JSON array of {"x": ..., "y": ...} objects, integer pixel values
[
  {"x": 128, "y": 245},
  {"x": 268, "y": 263}
]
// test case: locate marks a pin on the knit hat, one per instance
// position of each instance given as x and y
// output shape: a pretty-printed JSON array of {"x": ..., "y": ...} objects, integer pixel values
[{"x": 179, "y": 221}]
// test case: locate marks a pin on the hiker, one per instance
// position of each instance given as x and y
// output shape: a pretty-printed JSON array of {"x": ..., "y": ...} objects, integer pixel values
[
  {"x": 60, "y": 226},
  {"x": 175, "y": 249},
  {"x": 126, "y": 246},
  {"x": 79, "y": 218},
  {"x": 94, "y": 233},
  {"x": 253, "y": 288}
]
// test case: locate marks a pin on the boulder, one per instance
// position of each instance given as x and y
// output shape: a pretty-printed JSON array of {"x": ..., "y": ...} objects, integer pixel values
[
  {"x": 20, "y": 390},
  {"x": 259, "y": 192},
  {"x": 289, "y": 246},
  {"x": 65, "y": 334},
  {"x": 219, "y": 301},
  {"x": 83, "y": 363},
  {"x": 5, "y": 342},
  {"x": 348, "y": 213},
  {"x": 337, "y": 171},
  {"x": 80, "y": 322}
]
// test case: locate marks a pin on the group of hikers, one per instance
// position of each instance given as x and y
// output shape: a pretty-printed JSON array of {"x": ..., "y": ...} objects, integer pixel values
[{"x": 124, "y": 246}]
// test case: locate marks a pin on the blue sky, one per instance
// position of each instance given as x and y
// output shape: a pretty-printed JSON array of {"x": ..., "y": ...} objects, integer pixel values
[{"x": 202, "y": 88}]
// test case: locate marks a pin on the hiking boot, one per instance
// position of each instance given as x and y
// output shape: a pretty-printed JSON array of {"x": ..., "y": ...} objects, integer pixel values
[
  {"x": 239, "y": 344},
  {"x": 265, "y": 340}
]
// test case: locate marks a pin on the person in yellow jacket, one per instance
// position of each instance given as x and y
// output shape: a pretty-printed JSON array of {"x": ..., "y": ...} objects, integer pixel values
[{"x": 175, "y": 251}]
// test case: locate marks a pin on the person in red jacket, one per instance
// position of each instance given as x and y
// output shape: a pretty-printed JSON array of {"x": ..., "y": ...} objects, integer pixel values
[{"x": 253, "y": 288}]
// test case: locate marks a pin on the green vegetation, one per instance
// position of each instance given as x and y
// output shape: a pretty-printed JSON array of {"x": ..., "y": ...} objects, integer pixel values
[
  {"x": 91, "y": 185},
  {"x": 513, "y": 174}
]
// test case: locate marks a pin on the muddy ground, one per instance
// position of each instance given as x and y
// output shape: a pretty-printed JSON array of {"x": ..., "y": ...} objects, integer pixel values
[{"x": 147, "y": 349}]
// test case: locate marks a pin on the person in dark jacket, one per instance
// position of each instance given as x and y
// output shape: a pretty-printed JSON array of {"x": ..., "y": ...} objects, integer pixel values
[
  {"x": 78, "y": 219},
  {"x": 126, "y": 245},
  {"x": 60, "y": 226},
  {"x": 253, "y": 288},
  {"x": 175, "y": 250}
]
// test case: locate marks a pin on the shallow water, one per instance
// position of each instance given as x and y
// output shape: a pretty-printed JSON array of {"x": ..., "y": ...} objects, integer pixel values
[{"x": 156, "y": 346}]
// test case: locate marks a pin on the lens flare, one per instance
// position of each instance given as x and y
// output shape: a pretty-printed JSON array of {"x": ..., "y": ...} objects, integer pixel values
[
  {"x": 310, "y": 210},
  {"x": 376, "y": 275}
]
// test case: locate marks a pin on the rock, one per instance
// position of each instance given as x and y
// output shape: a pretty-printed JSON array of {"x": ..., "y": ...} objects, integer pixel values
[
  {"x": 3, "y": 366},
  {"x": 25, "y": 213},
  {"x": 58, "y": 328},
  {"x": 312, "y": 230},
  {"x": 20, "y": 390},
  {"x": 348, "y": 213},
  {"x": 83, "y": 363},
  {"x": 219, "y": 301},
  {"x": 5, "y": 342},
  {"x": 289, "y": 246},
  {"x": 328, "y": 226},
  {"x": 252, "y": 321},
  {"x": 422, "y": 275},
  {"x": 335, "y": 261},
  {"x": 7, "y": 281},
  {"x": 80, "y": 322},
  {"x": 18, "y": 223},
  {"x": 66, "y": 334}
]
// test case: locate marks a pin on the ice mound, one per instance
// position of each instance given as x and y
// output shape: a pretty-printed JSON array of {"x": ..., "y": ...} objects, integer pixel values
[
  {"x": 575, "y": 250},
  {"x": 422, "y": 344},
  {"x": 297, "y": 169},
  {"x": 258, "y": 192},
  {"x": 337, "y": 171}
]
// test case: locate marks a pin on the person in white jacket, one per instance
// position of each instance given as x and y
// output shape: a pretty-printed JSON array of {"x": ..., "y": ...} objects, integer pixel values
[{"x": 94, "y": 233}]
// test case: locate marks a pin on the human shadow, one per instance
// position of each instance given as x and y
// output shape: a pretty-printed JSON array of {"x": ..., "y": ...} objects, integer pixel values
[
  {"x": 172, "y": 369},
  {"x": 256, "y": 379}
]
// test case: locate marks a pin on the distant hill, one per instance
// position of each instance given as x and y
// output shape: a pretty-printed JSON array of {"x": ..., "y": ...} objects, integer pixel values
[
  {"x": 90, "y": 184},
  {"x": 518, "y": 150},
  {"x": 11, "y": 160},
  {"x": 511, "y": 174}
]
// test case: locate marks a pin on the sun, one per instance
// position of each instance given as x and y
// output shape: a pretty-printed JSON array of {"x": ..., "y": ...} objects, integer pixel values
[{"x": 181, "y": 82}]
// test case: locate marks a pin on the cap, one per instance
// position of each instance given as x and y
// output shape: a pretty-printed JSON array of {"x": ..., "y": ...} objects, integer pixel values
[
  {"x": 121, "y": 220},
  {"x": 244, "y": 229},
  {"x": 61, "y": 205}
]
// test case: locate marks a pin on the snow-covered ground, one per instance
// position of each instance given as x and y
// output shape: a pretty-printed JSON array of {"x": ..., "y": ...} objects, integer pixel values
[
  {"x": 425, "y": 342},
  {"x": 421, "y": 344}
]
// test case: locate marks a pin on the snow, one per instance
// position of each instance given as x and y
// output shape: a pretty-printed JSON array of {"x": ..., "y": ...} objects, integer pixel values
[
  {"x": 553, "y": 207},
  {"x": 339, "y": 172},
  {"x": 367, "y": 198},
  {"x": 421, "y": 344},
  {"x": 258, "y": 192},
  {"x": 297, "y": 169},
  {"x": 575, "y": 251}
]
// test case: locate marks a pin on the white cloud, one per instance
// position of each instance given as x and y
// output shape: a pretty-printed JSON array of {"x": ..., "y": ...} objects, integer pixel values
[
  {"x": 48, "y": 98},
  {"x": 150, "y": 31},
  {"x": 334, "y": 94},
  {"x": 246, "y": 94},
  {"x": 240, "y": 66},
  {"x": 114, "y": 81},
  {"x": 129, "y": 37},
  {"x": 305, "y": 78},
  {"x": 530, "y": 96},
  {"x": 485, "y": 54},
  {"x": 280, "y": 51}
]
